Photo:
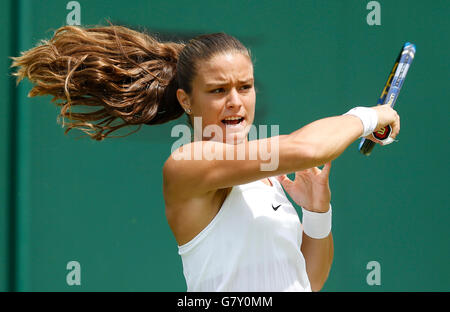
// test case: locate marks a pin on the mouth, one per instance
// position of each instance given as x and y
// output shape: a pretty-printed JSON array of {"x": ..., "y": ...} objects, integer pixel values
[{"x": 233, "y": 121}]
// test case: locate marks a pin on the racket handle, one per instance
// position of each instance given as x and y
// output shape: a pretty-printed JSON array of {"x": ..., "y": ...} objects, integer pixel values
[{"x": 366, "y": 146}]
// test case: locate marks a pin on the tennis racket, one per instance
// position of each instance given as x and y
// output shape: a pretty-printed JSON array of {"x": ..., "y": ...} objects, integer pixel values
[{"x": 390, "y": 93}]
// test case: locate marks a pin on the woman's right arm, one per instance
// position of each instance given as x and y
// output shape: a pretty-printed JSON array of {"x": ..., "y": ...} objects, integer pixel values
[{"x": 186, "y": 174}]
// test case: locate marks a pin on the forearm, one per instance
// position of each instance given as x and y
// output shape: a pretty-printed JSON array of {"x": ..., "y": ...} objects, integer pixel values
[
  {"x": 318, "y": 254},
  {"x": 327, "y": 138},
  {"x": 312, "y": 145}
]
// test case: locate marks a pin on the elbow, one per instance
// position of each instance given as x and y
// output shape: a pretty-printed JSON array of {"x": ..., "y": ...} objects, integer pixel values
[
  {"x": 316, "y": 286},
  {"x": 318, "y": 282}
]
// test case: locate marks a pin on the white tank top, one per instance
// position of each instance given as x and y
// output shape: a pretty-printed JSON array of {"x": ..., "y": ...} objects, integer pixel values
[{"x": 252, "y": 244}]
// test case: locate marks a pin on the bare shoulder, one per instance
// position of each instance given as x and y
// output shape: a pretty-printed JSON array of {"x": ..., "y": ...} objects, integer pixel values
[
  {"x": 187, "y": 212},
  {"x": 178, "y": 171},
  {"x": 188, "y": 216}
]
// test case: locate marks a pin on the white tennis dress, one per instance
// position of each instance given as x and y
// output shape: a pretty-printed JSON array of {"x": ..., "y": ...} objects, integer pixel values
[{"x": 252, "y": 244}]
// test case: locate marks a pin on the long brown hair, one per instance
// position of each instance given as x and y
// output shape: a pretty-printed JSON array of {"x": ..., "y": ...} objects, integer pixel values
[{"x": 130, "y": 77}]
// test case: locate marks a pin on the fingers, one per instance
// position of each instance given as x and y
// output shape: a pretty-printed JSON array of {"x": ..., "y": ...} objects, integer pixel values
[
  {"x": 395, "y": 126},
  {"x": 371, "y": 138},
  {"x": 284, "y": 180},
  {"x": 314, "y": 170},
  {"x": 326, "y": 169},
  {"x": 387, "y": 116}
]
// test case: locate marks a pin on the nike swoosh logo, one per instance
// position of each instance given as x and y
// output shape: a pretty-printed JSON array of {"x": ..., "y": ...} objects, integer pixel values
[{"x": 275, "y": 208}]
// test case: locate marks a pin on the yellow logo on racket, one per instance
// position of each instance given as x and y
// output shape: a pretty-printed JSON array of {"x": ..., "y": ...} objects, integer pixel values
[{"x": 383, "y": 133}]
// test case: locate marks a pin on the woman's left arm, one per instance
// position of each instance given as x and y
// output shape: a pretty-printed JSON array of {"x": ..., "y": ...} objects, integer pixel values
[
  {"x": 318, "y": 255},
  {"x": 311, "y": 191}
]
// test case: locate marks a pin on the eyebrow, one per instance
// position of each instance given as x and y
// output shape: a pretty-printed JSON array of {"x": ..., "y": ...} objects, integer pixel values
[{"x": 220, "y": 83}]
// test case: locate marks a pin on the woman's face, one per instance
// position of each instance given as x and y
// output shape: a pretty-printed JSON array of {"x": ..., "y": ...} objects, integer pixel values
[{"x": 223, "y": 95}]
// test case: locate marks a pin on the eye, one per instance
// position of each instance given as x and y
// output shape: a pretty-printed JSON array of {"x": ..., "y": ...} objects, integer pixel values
[
  {"x": 217, "y": 90},
  {"x": 249, "y": 86}
]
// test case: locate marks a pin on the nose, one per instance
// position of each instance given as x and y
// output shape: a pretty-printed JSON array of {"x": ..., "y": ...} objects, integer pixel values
[{"x": 234, "y": 99}]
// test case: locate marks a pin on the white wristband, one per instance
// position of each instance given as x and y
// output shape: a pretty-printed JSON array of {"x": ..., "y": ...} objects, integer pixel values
[
  {"x": 368, "y": 116},
  {"x": 315, "y": 224}
]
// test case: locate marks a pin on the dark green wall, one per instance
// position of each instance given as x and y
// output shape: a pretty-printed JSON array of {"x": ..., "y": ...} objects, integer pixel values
[
  {"x": 5, "y": 136},
  {"x": 100, "y": 203}
]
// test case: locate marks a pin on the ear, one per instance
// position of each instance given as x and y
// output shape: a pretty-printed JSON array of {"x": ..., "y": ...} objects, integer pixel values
[{"x": 183, "y": 99}]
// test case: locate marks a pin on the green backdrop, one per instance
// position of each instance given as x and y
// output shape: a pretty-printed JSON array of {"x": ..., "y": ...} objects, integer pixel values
[{"x": 64, "y": 199}]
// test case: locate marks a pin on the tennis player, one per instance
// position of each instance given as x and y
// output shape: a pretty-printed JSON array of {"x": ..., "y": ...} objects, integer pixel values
[{"x": 235, "y": 227}]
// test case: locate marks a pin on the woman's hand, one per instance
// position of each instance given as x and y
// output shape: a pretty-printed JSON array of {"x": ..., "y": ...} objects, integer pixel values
[
  {"x": 310, "y": 189},
  {"x": 386, "y": 116}
]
